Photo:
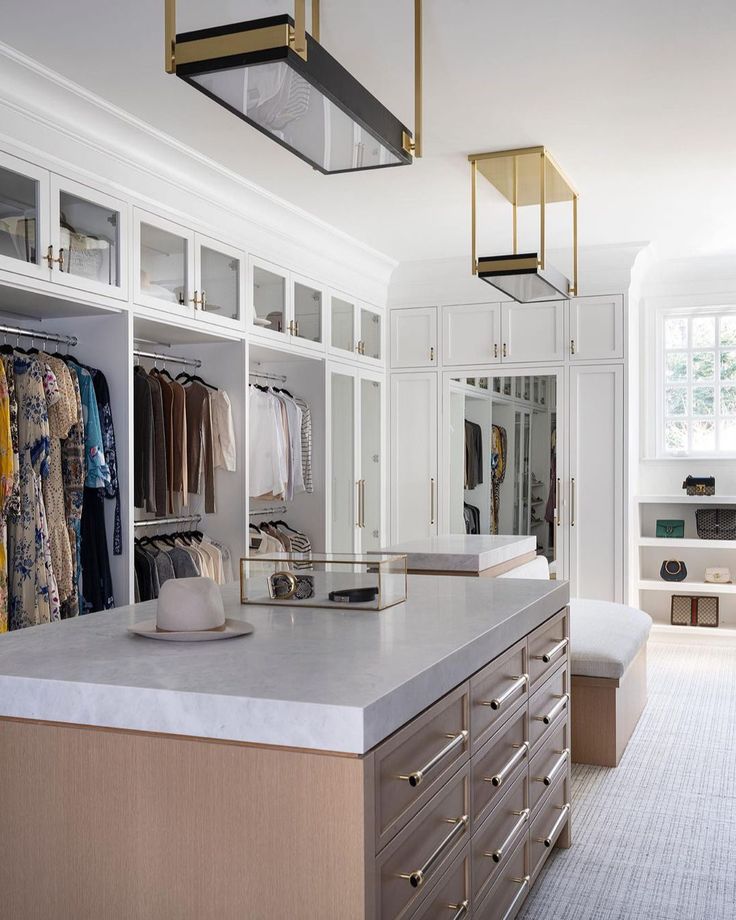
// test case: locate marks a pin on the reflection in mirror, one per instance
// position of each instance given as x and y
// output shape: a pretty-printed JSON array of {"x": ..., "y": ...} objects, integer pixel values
[{"x": 503, "y": 457}]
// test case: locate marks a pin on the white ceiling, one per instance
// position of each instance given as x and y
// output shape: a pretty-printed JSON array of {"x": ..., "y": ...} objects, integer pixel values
[{"x": 635, "y": 100}]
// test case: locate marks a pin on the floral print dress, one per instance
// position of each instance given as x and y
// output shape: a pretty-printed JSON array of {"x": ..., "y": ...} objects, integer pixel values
[{"x": 6, "y": 488}]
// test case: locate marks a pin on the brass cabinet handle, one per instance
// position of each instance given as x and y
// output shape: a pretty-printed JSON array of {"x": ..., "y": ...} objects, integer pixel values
[
  {"x": 419, "y": 876},
  {"x": 357, "y": 493},
  {"x": 549, "y": 778},
  {"x": 431, "y": 354},
  {"x": 495, "y": 349},
  {"x": 572, "y": 502},
  {"x": 554, "y": 711},
  {"x": 572, "y": 346},
  {"x": 555, "y": 650},
  {"x": 550, "y": 838},
  {"x": 50, "y": 258},
  {"x": 524, "y": 882},
  {"x": 497, "y": 855},
  {"x": 505, "y": 350},
  {"x": 431, "y": 501},
  {"x": 362, "y": 502},
  {"x": 498, "y": 702},
  {"x": 196, "y": 301},
  {"x": 461, "y": 909},
  {"x": 558, "y": 502},
  {"x": 416, "y": 778},
  {"x": 503, "y": 773},
  {"x": 296, "y": 328},
  {"x": 204, "y": 300}
]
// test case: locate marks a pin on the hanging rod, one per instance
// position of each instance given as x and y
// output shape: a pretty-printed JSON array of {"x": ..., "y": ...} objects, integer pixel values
[
  {"x": 70, "y": 340},
  {"x": 281, "y": 509},
  {"x": 173, "y": 359},
  {"x": 167, "y": 521},
  {"x": 264, "y": 376}
]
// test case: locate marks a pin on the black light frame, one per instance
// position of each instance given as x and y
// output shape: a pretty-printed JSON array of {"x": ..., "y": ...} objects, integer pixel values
[
  {"x": 492, "y": 268},
  {"x": 319, "y": 69}
]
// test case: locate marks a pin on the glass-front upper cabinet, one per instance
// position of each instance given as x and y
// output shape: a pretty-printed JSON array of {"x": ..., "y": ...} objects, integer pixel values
[
  {"x": 371, "y": 464},
  {"x": 88, "y": 234},
  {"x": 24, "y": 190},
  {"x": 219, "y": 282},
  {"x": 370, "y": 345},
  {"x": 164, "y": 269},
  {"x": 270, "y": 299},
  {"x": 342, "y": 317},
  {"x": 306, "y": 324}
]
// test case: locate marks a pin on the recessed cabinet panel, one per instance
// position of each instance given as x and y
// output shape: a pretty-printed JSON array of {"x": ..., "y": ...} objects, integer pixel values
[
  {"x": 23, "y": 215},
  {"x": 370, "y": 334},
  {"x": 342, "y": 318},
  {"x": 472, "y": 333},
  {"x": 597, "y": 328},
  {"x": 414, "y": 337},
  {"x": 532, "y": 332},
  {"x": 269, "y": 300}
]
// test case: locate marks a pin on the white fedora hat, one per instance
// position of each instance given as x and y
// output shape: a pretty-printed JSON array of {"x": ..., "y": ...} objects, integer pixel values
[{"x": 190, "y": 610}]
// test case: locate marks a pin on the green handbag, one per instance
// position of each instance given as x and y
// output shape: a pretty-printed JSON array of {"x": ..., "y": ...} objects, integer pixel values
[{"x": 671, "y": 529}]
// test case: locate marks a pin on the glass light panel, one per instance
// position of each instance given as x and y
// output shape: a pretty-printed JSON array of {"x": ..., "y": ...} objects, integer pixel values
[
  {"x": 221, "y": 282},
  {"x": 163, "y": 264},
  {"x": 525, "y": 288},
  {"x": 18, "y": 217},
  {"x": 343, "y": 324},
  {"x": 90, "y": 238},
  {"x": 284, "y": 104},
  {"x": 370, "y": 333}
]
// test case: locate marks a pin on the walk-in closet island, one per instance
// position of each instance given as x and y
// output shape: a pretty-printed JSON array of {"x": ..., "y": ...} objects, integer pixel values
[{"x": 331, "y": 764}]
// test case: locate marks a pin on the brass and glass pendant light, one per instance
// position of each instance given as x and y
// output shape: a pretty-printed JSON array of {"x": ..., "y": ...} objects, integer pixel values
[
  {"x": 277, "y": 77},
  {"x": 528, "y": 177}
]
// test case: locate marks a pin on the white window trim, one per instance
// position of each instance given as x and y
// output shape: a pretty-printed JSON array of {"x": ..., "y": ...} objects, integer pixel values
[{"x": 657, "y": 385}]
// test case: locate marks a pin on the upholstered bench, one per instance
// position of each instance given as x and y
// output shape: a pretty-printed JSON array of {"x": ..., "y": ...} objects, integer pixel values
[{"x": 608, "y": 664}]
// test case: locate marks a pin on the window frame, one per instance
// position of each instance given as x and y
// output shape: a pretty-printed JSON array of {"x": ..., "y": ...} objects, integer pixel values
[{"x": 690, "y": 312}]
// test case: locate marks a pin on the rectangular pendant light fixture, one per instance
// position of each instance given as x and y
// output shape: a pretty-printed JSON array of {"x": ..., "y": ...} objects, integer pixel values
[
  {"x": 280, "y": 80},
  {"x": 527, "y": 177}
]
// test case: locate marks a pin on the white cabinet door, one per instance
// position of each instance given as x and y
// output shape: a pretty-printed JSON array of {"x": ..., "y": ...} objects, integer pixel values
[
  {"x": 413, "y": 456},
  {"x": 471, "y": 333},
  {"x": 371, "y": 435},
  {"x": 220, "y": 279},
  {"x": 163, "y": 265},
  {"x": 344, "y": 445},
  {"x": 597, "y": 328},
  {"x": 595, "y": 482},
  {"x": 532, "y": 331},
  {"x": 414, "y": 337},
  {"x": 24, "y": 218}
]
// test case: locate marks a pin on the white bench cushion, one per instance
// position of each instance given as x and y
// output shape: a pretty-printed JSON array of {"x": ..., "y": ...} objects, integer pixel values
[{"x": 605, "y": 637}]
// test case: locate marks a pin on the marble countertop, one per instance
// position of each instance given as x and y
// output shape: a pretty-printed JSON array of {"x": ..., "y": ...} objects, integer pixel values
[
  {"x": 463, "y": 552},
  {"x": 307, "y": 677}
]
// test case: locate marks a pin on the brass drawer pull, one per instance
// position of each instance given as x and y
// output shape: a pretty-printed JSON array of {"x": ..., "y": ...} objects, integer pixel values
[
  {"x": 461, "y": 909},
  {"x": 50, "y": 258},
  {"x": 550, "y": 838},
  {"x": 416, "y": 778},
  {"x": 524, "y": 882},
  {"x": 554, "y": 711},
  {"x": 497, "y": 855},
  {"x": 549, "y": 778},
  {"x": 499, "y": 778},
  {"x": 497, "y": 703},
  {"x": 555, "y": 650},
  {"x": 419, "y": 876}
]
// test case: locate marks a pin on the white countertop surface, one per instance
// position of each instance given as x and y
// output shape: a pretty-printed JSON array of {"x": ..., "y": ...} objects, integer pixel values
[
  {"x": 463, "y": 552},
  {"x": 307, "y": 677}
]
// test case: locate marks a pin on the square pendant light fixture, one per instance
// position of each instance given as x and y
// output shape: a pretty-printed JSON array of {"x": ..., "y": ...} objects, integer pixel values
[
  {"x": 280, "y": 80},
  {"x": 528, "y": 177}
]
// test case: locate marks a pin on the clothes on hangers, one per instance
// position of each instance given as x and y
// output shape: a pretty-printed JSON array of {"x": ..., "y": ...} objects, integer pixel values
[
  {"x": 280, "y": 444},
  {"x": 473, "y": 455},
  {"x": 472, "y": 518},
  {"x": 160, "y": 557}
]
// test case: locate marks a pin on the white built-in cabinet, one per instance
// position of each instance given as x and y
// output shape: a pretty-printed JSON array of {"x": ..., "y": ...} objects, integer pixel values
[
  {"x": 596, "y": 330},
  {"x": 356, "y": 329},
  {"x": 357, "y": 452},
  {"x": 471, "y": 334},
  {"x": 414, "y": 456},
  {"x": 287, "y": 307},
  {"x": 414, "y": 337},
  {"x": 532, "y": 332}
]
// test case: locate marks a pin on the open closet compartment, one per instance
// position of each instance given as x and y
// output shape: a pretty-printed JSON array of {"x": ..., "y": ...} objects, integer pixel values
[
  {"x": 213, "y": 502},
  {"x": 303, "y": 378}
]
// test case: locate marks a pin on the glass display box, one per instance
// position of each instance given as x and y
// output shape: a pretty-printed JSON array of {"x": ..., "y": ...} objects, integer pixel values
[{"x": 342, "y": 581}]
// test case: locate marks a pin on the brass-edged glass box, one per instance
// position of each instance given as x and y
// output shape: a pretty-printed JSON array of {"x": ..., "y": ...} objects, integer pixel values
[{"x": 332, "y": 580}]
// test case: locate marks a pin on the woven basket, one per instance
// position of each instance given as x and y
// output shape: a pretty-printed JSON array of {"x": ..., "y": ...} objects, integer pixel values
[{"x": 716, "y": 523}]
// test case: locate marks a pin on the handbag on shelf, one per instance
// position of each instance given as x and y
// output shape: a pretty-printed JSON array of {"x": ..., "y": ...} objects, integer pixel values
[
  {"x": 673, "y": 570},
  {"x": 694, "y": 610},
  {"x": 716, "y": 523},
  {"x": 671, "y": 529},
  {"x": 700, "y": 485},
  {"x": 718, "y": 575}
]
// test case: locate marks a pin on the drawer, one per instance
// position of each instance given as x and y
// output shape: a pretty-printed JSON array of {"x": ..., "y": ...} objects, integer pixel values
[
  {"x": 548, "y": 823},
  {"x": 551, "y": 761},
  {"x": 450, "y": 897},
  {"x": 424, "y": 849},
  {"x": 496, "y": 765},
  {"x": 495, "y": 840},
  {"x": 547, "y": 704},
  {"x": 412, "y": 764},
  {"x": 495, "y": 691},
  {"x": 510, "y": 889},
  {"x": 548, "y": 646}
]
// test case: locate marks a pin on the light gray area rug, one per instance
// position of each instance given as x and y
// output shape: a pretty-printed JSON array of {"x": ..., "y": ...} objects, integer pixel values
[{"x": 655, "y": 839}]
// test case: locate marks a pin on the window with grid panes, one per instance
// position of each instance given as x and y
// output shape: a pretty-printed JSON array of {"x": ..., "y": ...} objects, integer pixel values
[{"x": 697, "y": 399}]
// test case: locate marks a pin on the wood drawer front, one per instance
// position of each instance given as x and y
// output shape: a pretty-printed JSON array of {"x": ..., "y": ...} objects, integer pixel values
[
  {"x": 495, "y": 840},
  {"x": 410, "y": 750},
  {"x": 495, "y": 691},
  {"x": 424, "y": 849},
  {"x": 551, "y": 761},
  {"x": 495, "y": 766},
  {"x": 547, "y": 824},
  {"x": 549, "y": 702},
  {"x": 509, "y": 892},
  {"x": 450, "y": 897},
  {"x": 548, "y": 646}
]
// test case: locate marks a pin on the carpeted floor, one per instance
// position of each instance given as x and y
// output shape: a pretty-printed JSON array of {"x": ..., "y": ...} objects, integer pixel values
[{"x": 655, "y": 839}]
